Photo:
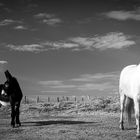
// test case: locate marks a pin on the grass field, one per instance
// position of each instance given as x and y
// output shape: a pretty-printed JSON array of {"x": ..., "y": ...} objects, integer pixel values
[{"x": 97, "y": 119}]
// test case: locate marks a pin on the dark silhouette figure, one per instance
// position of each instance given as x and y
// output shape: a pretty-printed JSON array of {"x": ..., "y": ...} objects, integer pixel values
[{"x": 14, "y": 94}]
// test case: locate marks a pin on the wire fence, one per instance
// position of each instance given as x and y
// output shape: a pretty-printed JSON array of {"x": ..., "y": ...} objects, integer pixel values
[{"x": 39, "y": 99}]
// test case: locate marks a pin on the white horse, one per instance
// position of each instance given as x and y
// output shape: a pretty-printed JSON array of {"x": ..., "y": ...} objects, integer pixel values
[{"x": 129, "y": 88}]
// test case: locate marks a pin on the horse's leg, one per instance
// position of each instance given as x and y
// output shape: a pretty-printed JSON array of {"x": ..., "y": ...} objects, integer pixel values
[
  {"x": 122, "y": 101},
  {"x": 137, "y": 111},
  {"x": 13, "y": 113},
  {"x": 17, "y": 113}
]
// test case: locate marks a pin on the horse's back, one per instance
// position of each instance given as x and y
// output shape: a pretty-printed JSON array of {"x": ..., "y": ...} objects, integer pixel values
[
  {"x": 130, "y": 80},
  {"x": 128, "y": 72}
]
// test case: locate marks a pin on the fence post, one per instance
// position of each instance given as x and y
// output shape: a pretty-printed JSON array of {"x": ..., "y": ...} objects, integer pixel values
[
  {"x": 88, "y": 97},
  {"x": 48, "y": 99},
  {"x": 63, "y": 98},
  {"x": 67, "y": 98},
  {"x": 37, "y": 99},
  {"x": 25, "y": 99},
  {"x": 58, "y": 99},
  {"x": 82, "y": 98},
  {"x": 75, "y": 98}
]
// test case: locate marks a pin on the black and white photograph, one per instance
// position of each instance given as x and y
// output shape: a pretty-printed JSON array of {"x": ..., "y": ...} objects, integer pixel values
[{"x": 69, "y": 69}]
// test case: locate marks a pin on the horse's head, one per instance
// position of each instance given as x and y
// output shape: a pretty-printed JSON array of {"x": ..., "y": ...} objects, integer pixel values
[
  {"x": 3, "y": 96},
  {"x": 2, "y": 90},
  {"x": 11, "y": 86},
  {"x": 8, "y": 85}
]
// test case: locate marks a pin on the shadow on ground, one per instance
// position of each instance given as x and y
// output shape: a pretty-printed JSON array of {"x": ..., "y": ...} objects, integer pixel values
[{"x": 50, "y": 122}]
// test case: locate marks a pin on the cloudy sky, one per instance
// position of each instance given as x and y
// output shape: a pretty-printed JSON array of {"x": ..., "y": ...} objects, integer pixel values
[{"x": 68, "y": 47}]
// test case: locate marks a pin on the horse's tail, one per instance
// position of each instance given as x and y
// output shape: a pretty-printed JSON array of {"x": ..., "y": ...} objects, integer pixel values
[{"x": 129, "y": 108}]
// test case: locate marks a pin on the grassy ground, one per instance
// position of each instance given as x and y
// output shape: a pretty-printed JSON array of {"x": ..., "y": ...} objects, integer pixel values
[{"x": 97, "y": 119}]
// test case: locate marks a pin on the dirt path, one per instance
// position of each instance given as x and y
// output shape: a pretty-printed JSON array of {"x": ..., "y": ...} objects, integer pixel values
[{"x": 83, "y": 126}]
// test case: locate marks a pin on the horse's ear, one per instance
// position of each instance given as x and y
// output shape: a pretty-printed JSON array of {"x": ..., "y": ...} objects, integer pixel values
[{"x": 8, "y": 75}]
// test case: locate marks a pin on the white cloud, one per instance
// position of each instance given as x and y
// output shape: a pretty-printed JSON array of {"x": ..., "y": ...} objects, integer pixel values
[
  {"x": 96, "y": 86},
  {"x": 53, "y": 91},
  {"x": 101, "y": 42},
  {"x": 60, "y": 44},
  {"x": 49, "y": 19},
  {"x": 44, "y": 15},
  {"x": 98, "y": 81},
  {"x": 41, "y": 47},
  {"x": 3, "y": 62},
  {"x": 124, "y": 15},
  {"x": 6, "y": 22},
  {"x": 111, "y": 40},
  {"x": 52, "y": 21},
  {"x": 51, "y": 83},
  {"x": 28, "y": 48},
  {"x": 64, "y": 86},
  {"x": 86, "y": 83},
  {"x": 55, "y": 84},
  {"x": 20, "y": 27},
  {"x": 96, "y": 77}
]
